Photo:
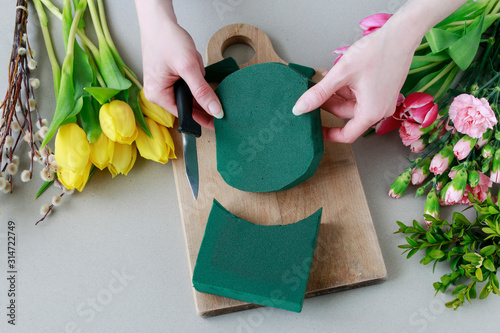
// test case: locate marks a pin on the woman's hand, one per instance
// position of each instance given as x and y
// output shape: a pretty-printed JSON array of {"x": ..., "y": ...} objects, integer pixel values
[{"x": 169, "y": 53}]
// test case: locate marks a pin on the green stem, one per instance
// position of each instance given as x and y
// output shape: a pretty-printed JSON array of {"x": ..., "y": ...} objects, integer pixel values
[
  {"x": 56, "y": 69},
  {"x": 429, "y": 58},
  {"x": 446, "y": 84},
  {"x": 80, "y": 32},
  {"x": 423, "y": 68},
  {"x": 487, "y": 84},
  {"x": 96, "y": 22},
  {"x": 52, "y": 8},
  {"x": 497, "y": 8},
  {"x": 132, "y": 77},
  {"x": 438, "y": 77},
  {"x": 422, "y": 46},
  {"x": 107, "y": 35},
  {"x": 460, "y": 24}
]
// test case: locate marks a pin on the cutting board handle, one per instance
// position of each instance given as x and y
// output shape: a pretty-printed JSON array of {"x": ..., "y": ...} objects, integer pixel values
[{"x": 241, "y": 33}]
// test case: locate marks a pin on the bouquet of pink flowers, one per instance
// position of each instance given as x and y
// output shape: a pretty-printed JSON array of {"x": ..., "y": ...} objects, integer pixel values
[
  {"x": 455, "y": 135},
  {"x": 454, "y": 131}
]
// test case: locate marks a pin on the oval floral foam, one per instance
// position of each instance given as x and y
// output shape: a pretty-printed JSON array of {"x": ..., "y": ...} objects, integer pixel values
[{"x": 261, "y": 145}]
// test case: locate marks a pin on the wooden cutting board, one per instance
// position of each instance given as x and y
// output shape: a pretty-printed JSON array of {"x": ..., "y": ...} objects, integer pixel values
[{"x": 347, "y": 254}]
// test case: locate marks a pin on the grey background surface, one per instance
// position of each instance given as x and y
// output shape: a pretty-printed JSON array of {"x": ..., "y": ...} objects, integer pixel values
[{"x": 113, "y": 259}]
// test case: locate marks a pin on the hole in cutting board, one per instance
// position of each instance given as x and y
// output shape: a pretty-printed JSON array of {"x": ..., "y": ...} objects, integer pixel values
[{"x": 241, "y": 52}]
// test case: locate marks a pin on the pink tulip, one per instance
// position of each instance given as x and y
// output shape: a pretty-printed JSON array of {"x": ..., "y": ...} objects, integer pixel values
[
  {"x": 340, "y": 51},
  {"x": 472, "y": 116},
  {"x": 409, "y": 132},
  {"x": 420, "y": 108},
  {"x": 374, "y": 22},
  {"x": 390, "y": 123}
]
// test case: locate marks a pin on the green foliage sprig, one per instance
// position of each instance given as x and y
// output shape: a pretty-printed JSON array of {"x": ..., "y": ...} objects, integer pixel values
[{"x": 472, "y": 249}]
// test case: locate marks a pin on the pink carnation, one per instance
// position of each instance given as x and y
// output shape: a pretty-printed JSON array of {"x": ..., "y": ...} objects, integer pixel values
[
  {"x": 417, "y": 176},
  {"x": 417, "y": 146},
  {"x": 439, "y": 164},
  {"x": 409, "y": 132},
  {"x": 472, "y": 116},
  {"x": 480, "y": 191},
  {"x": 462, "y": 149}
]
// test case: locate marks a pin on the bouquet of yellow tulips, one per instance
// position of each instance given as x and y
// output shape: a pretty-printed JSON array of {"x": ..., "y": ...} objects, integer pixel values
[{"x": 102, "y": 118}]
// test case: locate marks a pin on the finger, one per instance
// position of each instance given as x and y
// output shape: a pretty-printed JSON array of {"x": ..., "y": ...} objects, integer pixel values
[
  {"x": 202, "y": 92},
  {"x": 319, "y": 94},
  {"x": 203, "y": 118},
  {"x": 164, "y": 98},
  {"x": 353, "y": 129},
  {"x": 340, "y": 107},
  {"x": 346, "y": 93}
]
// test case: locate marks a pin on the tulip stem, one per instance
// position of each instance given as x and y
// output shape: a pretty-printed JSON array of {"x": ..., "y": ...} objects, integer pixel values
[
  {"x": 446, "y": 84},
  {"x": 423, "y": 68},
  {"x": 107, "y": 35},
  {"x": 422, "y": 46},
  {"x": 132, "y": 77},
  {"x": 438, "y": 77},
  {"x": 56, "y": 69}
]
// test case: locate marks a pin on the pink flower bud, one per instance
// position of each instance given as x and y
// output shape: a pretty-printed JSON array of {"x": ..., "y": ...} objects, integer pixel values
[
  {"x": 418, "y": 146},
  {"x": 463, "y": 147}
]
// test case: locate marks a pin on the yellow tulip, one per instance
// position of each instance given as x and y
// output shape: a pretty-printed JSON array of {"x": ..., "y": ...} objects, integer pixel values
[
  {"x": 101, "y": 151},
  {"x": 118, "y": 122},
  {"x": 74, "y": 179},
  {"x": 155, "y": 112},
  {"x": 72, "y": 150},
  {"x": 159, "y": 147},
  {"x": 124, "y": 158}
]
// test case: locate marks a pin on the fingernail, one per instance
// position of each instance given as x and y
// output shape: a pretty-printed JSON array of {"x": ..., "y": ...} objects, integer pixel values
[
  {"x": 301, "y": 107},
  {"x": 216, "y": 110}
]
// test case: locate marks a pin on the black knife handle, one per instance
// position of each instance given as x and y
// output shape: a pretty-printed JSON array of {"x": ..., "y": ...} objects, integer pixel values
[{"x": 184, "y": 100}]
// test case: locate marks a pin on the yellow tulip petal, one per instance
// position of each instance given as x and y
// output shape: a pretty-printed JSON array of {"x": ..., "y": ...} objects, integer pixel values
[
  {"x": 124, "y": 158},
  {"x": 169, "y": 141},
  {"x": 155, "y": 112},
  {"x": 72, "y": 150},
  {"x": 118, "y": 122},
  {"x": 74, "y": 179},
  {"x": 101, "y": 151},
  {"x": 152, "y": 148}
]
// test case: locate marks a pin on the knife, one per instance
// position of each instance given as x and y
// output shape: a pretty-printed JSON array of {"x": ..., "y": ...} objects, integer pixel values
[{"x": 190, "y": 130}]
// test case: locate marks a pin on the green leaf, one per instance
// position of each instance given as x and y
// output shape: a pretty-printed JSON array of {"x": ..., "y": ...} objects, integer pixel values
[
  {"x": 488, "y": 264},
  {"x": 464, "y": 50},
  {"x": 102, "y": 95},
  {"x": 440, "y": 39},
  {"x": 65, "y": 99},
  {"x": 487, "y": 250},
  {"x": 411, "y": 241},
  {"x": 109, "y": 70},
  {"x": 418, "y": 226},
  {"x": 460, "y": 289},
  {"x": 485, "y": 291},
  {"x": 472, "y": 290},
  {"x": 479, "y": 274},
  {"x": 489, "y": 231},
  {"x": 133, "y": 101},
  {"x": 402, "y": 226},
  {"x": 411, "y": 253},
  {"x": 89, "y": 118},
  {"x": 472, "y": 257},
  {"x": 467, "y": 11},
  {"x": 436, "y": 254},
  {"x": 45, "y": 186},
  {"x": 430, "y": 238}
]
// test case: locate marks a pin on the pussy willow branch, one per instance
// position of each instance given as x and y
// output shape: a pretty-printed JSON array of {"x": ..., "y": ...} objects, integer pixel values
[{"x": 19, "y": 93}]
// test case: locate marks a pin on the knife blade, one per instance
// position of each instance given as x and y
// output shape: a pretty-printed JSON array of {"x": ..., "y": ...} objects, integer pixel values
[{"x": 190, "y": 130}]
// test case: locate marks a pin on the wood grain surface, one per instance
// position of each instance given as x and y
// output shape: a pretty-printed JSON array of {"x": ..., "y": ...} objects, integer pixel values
[{"x": 347, "y": 253}]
